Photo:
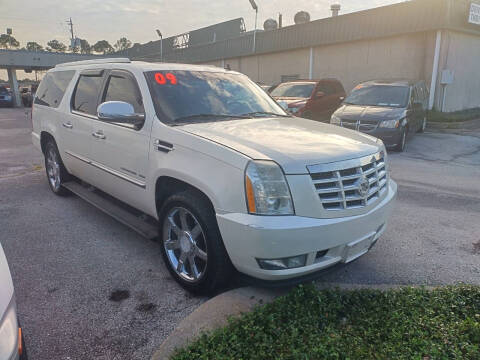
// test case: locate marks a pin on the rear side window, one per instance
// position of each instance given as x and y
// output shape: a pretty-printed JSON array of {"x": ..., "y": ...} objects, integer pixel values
[
  {"x": 122, "y": 87},
  {"x": 327, "y": 88},
  {"x": 52, "y": 88},
  {"x": 85, "y": 99},
  {"x": 339, "y": 87}
]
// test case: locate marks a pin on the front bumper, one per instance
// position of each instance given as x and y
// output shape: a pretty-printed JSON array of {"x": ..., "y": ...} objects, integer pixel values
[
  {"x": 390, "y": 137},
  {"x": 9, "y": 334},
  {"x": 249, "y": 237}
]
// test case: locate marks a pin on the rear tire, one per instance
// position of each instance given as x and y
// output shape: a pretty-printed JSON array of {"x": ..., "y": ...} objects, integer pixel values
[
  {"x": 57, "y": 175},
  {"x": 403, "y": 140},
  {"x": 191, "y": 244}
]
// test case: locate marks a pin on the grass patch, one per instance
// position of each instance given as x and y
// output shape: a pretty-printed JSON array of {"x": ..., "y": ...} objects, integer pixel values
[
  {"x": 456, "y": 116},
  {"x": 411, "y": 323}
]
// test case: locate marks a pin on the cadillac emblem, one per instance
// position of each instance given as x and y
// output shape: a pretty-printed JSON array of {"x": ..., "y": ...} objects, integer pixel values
[{"x": 363, "y": 186}]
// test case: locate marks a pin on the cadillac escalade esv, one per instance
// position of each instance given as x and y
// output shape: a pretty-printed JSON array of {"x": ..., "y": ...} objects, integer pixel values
[{"x": 230, "y": 179}]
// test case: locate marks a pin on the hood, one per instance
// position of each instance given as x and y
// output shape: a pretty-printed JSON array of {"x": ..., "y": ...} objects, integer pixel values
[
  {"x": 293, "y": 143},
  {"x": 6, "y": 285},
  {"x": 371, "y": 113}
]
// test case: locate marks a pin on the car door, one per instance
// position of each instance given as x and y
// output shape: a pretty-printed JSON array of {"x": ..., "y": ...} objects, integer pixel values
[
  {"x": 324, "y": 101},
  {"x": 76, "y": 126},
  {"x": 120, "y": 151}
]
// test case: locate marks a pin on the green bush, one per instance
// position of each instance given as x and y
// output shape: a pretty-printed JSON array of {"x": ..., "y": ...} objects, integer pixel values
[
  {"x": 457, "y": 116},
  {"x": 411, "y": 323}
]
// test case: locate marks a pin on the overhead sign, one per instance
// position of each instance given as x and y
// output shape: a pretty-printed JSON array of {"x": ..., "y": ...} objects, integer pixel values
[{"x": 474, "y": 15}]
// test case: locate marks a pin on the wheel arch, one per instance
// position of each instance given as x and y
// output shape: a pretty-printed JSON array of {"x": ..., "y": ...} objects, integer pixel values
[
  {"x": 45, "y": 136},
  {"x": 166, "y": 185}
]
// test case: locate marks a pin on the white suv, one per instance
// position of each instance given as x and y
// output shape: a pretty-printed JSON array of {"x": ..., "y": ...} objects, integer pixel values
[{"x": 228, "y": 176}]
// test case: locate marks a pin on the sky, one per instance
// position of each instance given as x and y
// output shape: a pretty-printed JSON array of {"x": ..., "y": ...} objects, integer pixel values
[{"x": 44, "y": 20}]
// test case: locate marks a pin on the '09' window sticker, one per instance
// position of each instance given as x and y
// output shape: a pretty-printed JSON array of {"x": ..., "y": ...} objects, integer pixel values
[{"x": 168, "y": 78}]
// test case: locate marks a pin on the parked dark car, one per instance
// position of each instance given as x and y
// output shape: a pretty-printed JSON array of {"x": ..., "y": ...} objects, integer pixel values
[
  {"x": 311, "y": 99},
  {"x": 387, "y": 109},
  {"x": 6, "y": 97}
]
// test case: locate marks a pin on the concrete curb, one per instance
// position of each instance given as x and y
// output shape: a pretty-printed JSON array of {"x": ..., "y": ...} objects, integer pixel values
[
  {"x": 460, "y": 125},
  {"x": 215, "y": 312}
]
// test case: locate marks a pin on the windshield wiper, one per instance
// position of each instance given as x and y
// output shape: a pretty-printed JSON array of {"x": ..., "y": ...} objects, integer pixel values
[
  {"x": 252, "y": 114},
  {"x": 207, "y": 117}
]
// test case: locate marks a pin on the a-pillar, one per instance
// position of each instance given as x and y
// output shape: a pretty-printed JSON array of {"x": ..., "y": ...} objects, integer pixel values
[{"x": 12, "y": 80}]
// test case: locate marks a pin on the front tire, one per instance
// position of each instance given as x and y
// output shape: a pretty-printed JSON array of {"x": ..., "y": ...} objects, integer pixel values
[
  {"x": 191, "y": 244},
  {"x": 403, "y": 140},
  {"x": 57, "y": 175}
]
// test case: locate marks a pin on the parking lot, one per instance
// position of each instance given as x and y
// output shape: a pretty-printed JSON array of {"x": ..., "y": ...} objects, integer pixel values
[{"x": 88, "y": 287}]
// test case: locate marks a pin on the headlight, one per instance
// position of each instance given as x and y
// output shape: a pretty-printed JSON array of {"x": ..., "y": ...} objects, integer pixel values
[
  {"x": 385, "y": 155},
  {"x": 9, "y": 332},
  {"x": 391, "y": 124},
  {"x": 266, "y": 189},
  {"x": 335, "y": 120}
]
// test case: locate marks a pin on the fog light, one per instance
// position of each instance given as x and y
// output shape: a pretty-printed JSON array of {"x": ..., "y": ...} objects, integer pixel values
[{"x": 282, "y": 264}]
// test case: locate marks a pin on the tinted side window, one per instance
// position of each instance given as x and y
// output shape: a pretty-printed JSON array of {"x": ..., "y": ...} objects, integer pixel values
[
  {"x": 327, "y": 88},
  {"x": 52, "y": 88},
  {"x": 124, "y": 88},
  {"x": 339, "y": 87},
  {"x": 86, "y": 95}
]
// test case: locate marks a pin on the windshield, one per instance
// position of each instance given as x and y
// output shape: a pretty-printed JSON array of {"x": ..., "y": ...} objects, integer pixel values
[
  {"x": 379, "y": 95},
  {"x": 3, "y": 90},
  {"x": 297, "y": 90},
  {"x": 193, "y": 96}
]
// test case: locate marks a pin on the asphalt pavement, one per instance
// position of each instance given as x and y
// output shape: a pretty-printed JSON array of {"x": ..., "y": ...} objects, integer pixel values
[{"x": 88, "y": 287}]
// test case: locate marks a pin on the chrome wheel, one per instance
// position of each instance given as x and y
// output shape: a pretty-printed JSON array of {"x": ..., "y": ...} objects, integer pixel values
[
  {"x": 185, "y": 244},
  {"x": 53, "y": 168}
]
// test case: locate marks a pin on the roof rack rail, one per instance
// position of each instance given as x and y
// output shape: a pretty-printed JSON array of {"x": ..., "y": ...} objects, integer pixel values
[{"x": 95, "y": 61}]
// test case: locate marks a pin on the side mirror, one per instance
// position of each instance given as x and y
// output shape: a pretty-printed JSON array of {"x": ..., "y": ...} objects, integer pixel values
[
  {"x": 319, "y": 94},
  {"x": 120, "y": 112}
]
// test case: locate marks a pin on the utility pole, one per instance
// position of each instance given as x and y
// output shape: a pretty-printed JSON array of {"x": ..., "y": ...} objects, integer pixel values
[
  {"x": 161, "y": 44},
  {"x": 70, "y": 23},
  {"x": 254, "y": 7}
]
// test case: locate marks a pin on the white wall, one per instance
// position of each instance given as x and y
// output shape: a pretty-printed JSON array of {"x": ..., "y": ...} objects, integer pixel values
[{"x": 460, "y": 53}]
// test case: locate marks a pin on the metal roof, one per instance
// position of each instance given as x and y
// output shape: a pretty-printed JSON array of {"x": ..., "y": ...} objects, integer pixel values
[{"x": 403, "y": 18}]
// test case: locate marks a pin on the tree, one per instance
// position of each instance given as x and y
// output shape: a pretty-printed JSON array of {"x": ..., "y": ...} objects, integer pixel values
[
  {"x": 56, "y": 46},
  {"x": 103, "y": 46},
  {"x": 85, "y": 47},
  {"x": 8, "y": 41},
  {"x": 122, "y": 44},
  {"x": 33, "y": 46}
]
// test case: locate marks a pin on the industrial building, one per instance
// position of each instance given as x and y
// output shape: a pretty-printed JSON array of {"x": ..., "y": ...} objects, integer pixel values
[{"x": 434, "y": 40}]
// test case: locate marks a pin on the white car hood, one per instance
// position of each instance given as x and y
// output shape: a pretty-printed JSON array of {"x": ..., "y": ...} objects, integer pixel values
[
  {"x": 293, "y": 142},
  {"x": 6, "y": 284}
]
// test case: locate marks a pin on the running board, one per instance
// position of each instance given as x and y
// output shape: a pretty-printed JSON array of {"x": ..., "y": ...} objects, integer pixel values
[{"x": 134, "y": 219}]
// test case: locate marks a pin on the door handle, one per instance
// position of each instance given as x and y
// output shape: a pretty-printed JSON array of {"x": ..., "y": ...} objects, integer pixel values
[
  {"x": 67, "y": 125},
  {"x": 162, "y": 146},
  {"x": 99, "y": 135}
]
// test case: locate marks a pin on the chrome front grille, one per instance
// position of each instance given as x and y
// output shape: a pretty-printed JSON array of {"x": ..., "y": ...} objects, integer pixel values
[
  {"x": 359, "y": 125},
  {"x": 350, "y": 184}
]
